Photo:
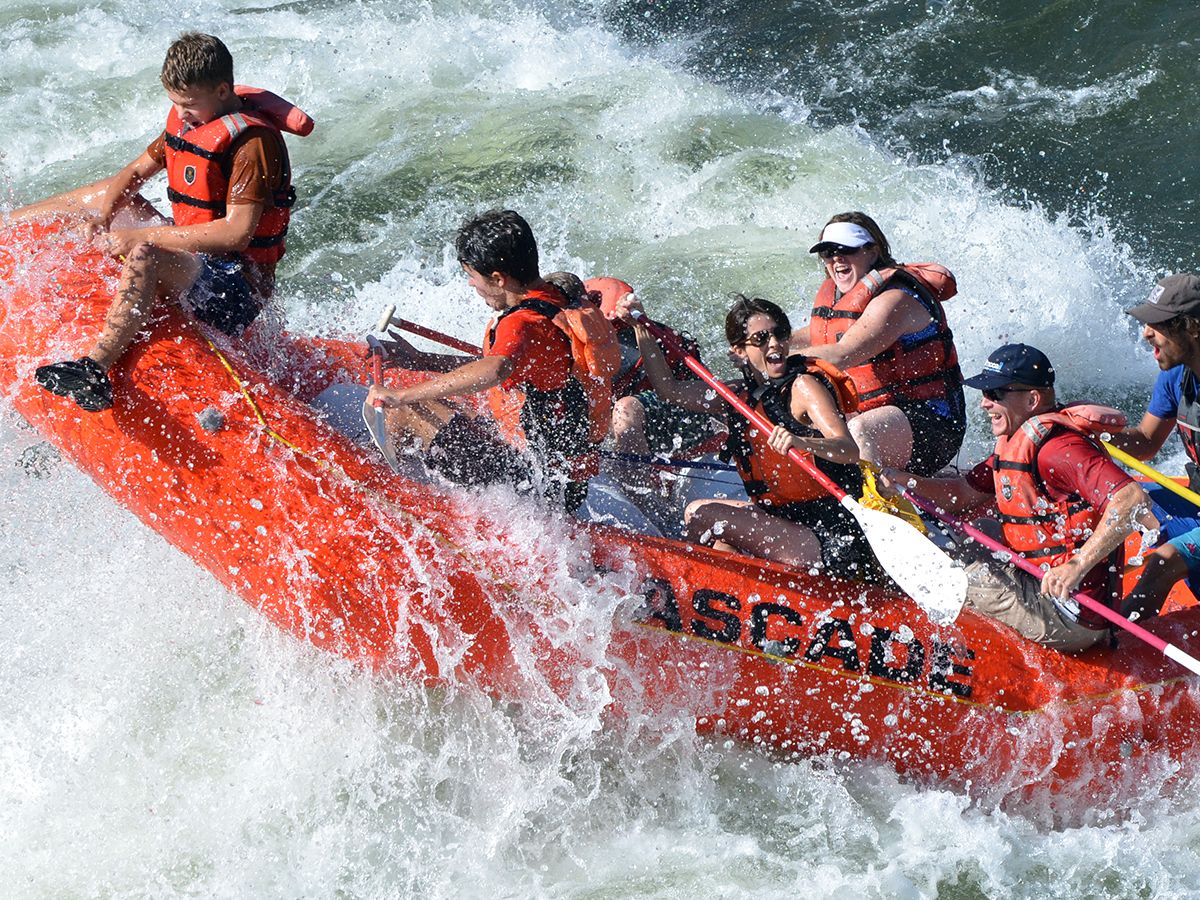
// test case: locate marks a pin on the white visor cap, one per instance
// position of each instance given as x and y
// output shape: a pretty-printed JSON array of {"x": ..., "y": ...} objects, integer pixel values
[{"x": 842, "y": 234}]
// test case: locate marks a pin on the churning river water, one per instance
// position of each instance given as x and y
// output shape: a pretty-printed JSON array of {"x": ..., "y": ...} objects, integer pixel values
[{"x": 159, "y": 739}]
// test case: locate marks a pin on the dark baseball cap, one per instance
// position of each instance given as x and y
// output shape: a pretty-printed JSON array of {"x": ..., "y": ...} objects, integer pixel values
[
  {"x": 1175, "y": 295},
  {"x": 1014, "y": 364}
]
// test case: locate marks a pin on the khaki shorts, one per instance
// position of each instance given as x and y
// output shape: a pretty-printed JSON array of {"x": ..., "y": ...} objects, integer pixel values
[{"x": 1013, "y": 597}]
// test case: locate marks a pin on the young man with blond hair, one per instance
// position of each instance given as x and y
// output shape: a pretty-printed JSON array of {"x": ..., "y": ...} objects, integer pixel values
[{"x": 229, "y": 183}]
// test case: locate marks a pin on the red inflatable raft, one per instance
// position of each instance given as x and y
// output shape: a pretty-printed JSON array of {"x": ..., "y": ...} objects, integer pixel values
[{"x": 235, "y": 468}]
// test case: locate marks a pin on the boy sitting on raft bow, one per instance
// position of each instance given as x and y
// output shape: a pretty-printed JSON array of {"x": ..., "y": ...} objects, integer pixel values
[
  {"x": 548, "y": 413},
  {"x": 230, "y": 186},
  {"x": 791, "y": 518}
]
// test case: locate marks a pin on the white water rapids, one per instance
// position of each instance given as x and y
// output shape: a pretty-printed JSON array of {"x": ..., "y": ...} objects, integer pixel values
[{"x": 159, "y": 739}]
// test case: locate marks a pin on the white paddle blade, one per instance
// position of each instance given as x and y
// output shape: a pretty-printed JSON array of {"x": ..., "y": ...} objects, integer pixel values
[
  {"x": 377, "y": 428},
  {"x": 921, "y": 569},
  {"x": 1184, "y": 659}
]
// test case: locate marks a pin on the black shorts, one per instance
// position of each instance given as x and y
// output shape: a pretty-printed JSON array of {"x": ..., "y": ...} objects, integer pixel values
[
  {"x": 470, "y": 451},
  {"x": 936, "y": 438},
  {"x": 845, "y": 551},
  {"x": 222, "y": 297}
]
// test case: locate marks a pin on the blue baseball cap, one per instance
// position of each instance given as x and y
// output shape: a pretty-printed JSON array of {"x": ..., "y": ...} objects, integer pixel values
[{"x": 1014, "y": 364}]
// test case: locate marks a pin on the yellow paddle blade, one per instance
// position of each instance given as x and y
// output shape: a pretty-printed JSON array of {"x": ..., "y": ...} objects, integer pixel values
[{"x": 896, "y": 506}]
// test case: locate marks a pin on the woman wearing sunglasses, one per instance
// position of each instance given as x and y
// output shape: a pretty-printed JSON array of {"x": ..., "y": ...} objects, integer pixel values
[
  {"x": 883, "y": 323},
  {"x": 790, "y": 518}
]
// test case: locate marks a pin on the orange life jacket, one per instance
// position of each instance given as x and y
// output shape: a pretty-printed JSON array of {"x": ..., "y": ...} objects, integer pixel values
[
  {"x": 198, "y": 164},
  {"x": 1037, "y": 527},
  {"x": 574, "y": 419},
  {"x": 919, "y": 366},
  {"x": 771, "y": 478},
  {"x": 631, "y": 378},
  {"x": 610, "y": 290}
]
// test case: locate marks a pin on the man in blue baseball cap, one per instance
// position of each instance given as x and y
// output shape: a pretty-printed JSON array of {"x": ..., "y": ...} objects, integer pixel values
[{"x": 1061, "y": 502}]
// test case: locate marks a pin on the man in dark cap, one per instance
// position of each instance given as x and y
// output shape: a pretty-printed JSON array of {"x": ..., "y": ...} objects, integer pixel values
[
  {"x": 1061, "y": 502},
  {"x": 1170, "y": 317}
]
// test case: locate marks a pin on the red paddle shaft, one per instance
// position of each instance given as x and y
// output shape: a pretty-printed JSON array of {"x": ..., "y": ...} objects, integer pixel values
[{"x": 421, "y": 331}]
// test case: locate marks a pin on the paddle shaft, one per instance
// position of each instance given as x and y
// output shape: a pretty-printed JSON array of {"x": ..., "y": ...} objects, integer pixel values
[
  {"x": 376, "y": 372},
  {"x": 667, "y": 462},
  {"x": 1153, "y": 474},
  {"x": 1168, "y": 650},
  {"x": 377, "y": 353},
  {"x": 445, "y": 339},
  {"x": 674, "y": 351}
]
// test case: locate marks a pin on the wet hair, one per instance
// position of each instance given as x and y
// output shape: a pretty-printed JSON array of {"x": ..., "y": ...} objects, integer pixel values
[
  {"x": 743, "y": 308},
  {"x": 570, "y": 284},
  {"x": 498, "y": 240},
  {"x": 1180, "y": 326},
  {"x": 196, "y": 60},
  {"x": 877, "y": 237}
]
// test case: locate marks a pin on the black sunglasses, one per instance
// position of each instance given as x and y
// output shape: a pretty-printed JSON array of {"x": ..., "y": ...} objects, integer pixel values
[
  {"x": 997, "y": 394},
  {"x": 760, "y": 338},
  {"x": 838, "y": 250}
]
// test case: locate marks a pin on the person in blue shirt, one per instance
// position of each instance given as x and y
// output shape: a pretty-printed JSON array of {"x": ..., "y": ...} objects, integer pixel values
[{"x": 1171, "y": 326}]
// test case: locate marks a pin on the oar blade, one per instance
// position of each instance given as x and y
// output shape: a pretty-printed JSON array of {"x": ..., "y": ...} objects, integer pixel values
[
  {"x": 1184, "y": 659},
  {"x": 377, "y": 428},
  {"x": 921, "y": 569}
]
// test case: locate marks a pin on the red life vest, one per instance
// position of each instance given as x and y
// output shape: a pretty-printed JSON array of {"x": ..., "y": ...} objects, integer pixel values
[
  {"x": 922, "y": 366},
  {"x": 631, "y": 378},
  {"x": 772, "y": 479},
  {"x": 574, "y": 419},
  {"x": 1037, "y": 527},
  {"x": 198, "y": 164}
]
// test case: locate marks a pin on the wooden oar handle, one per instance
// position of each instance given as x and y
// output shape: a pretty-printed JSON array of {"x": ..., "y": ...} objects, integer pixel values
[
  {"x": 753, "y": 417},
  {"x": 386, "y": 318}
]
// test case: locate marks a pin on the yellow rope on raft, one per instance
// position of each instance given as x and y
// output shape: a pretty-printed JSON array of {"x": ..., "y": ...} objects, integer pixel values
[
  {"x": 1153, "y": 474},
  {"x": 258, "y": 414},
  {"x": 438, "y": 537},
  {"x": 895, "y": 506}
]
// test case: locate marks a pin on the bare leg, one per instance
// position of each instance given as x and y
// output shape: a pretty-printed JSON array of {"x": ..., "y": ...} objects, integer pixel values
[
  {"x": 84, "y": 202},
  {"x": 884, "y": 436},
  {"x": 741, "y": 526},
  {"x": 149, "y": 273},
  {"x": 640, "y": 482},
  {"x": 418, "y": 421},
  {"x": 1164, "y": 568}
]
